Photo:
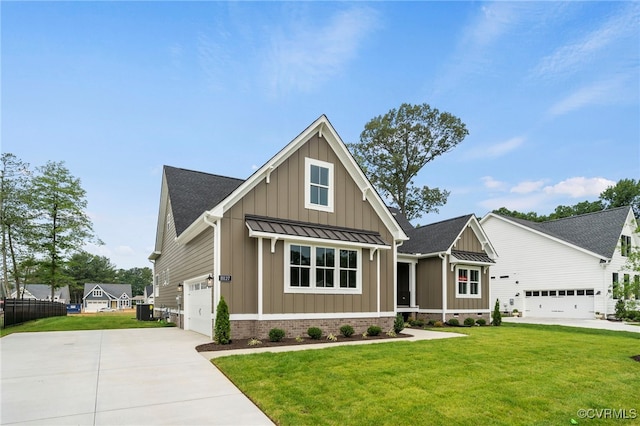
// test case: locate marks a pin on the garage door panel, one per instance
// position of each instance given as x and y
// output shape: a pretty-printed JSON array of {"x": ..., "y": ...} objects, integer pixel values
[
  {"x": 579, "y": 307},
  {"x": 198, "y": 309}
]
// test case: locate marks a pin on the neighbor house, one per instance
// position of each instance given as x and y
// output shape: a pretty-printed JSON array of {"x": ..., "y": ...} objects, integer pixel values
[
  {"x": 565, "y": 268},
  {"x": 305, "y": 241},
  {"x": 106, "y": 296},
  {"x": 443, "y": 270},
  {"x": 42, "y": 292}
]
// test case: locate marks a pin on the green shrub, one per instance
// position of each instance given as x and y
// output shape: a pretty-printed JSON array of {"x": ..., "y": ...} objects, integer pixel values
[
  {"x": 633, "y": 315},
  {"x": 398, "y": 324},
  {"x": 431, "y": 322},
  {"x": 222, "y": 333},
  {"x": 621, "y": 309},
  {"x": 276, "y": 334},
  {"x": 469, "y": 321},
  {"x": 314, "y": 332},
  {"x": 346, "y": 330},
  {"x": 496, "y": 316},
  {"x": 438, "y": 324},
  {"x": 453, "y": 321},
  {"x": 481, "y": 321},
  {"x": 417, "y": 323},
  {"x": 374, "y": 330}
]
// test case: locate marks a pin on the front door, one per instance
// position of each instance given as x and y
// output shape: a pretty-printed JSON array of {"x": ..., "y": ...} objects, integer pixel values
[{"x": 404, "y": 295}]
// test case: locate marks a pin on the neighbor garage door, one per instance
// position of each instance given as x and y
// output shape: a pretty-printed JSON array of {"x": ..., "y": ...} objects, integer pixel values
[
  {"x": 197, "y": 305},
  {"x": 559, "y": 303}
]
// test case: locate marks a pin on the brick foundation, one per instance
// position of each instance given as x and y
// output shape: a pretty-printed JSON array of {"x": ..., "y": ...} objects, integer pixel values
[
  {"x": 293, "y": 328},
  {"x": 461, "y": 317}
]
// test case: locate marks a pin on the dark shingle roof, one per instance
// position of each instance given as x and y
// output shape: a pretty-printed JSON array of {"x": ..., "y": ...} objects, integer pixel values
[
  {"x": 597, "y": 232},
  {"x": 115, "y": 290},
  {"x": 434, "y": 238},
  {"x": 401, "y": 219},
  {"x": 192, "y": 193},
  {"x": 313, "y": 230}
]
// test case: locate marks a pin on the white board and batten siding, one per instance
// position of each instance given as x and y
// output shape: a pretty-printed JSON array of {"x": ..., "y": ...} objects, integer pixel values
[{"x": 529, "y": 263}]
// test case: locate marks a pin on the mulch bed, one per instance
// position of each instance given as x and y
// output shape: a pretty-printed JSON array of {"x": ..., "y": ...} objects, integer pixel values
[{"x": 290, "y": 341}]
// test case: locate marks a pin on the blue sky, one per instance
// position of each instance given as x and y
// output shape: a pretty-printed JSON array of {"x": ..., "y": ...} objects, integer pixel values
[{"x": 548, "y": 90}]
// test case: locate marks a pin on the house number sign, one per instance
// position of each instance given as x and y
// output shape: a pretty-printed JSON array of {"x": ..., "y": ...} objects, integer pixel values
[{"x": 224, "y": 278}]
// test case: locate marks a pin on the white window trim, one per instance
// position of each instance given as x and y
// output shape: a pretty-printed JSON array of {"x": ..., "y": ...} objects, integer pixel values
[
  {"x": 321, "y": 290},
  {"x": 468, "y": 295},
  {"x": 97, "y": 292},
  {"x": 308, "y": 162}
]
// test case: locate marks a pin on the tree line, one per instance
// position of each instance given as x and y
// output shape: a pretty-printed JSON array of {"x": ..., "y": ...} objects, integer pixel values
[{"x": 43, "y": 227}]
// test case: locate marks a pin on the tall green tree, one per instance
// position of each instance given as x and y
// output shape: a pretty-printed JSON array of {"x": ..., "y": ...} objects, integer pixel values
[
  {"x": 624, "y": 193},
  {"x": 14, "y": 181},
  {"x": 83, "y": 267},
  {"x": 137, "y": 277},
  {"x": 61, "y": 225},
  {"x": 394, "y": 147}
]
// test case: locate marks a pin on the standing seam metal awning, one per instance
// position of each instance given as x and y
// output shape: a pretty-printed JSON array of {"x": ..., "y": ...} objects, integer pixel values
[
  {"x": 290, "y": 228},
  {"x": 466, "y": 256}
]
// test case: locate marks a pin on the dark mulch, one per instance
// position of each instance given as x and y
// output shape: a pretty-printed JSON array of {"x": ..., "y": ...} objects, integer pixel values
[
  {"x": 636, "y": 358},
  {"x": 289, "y": 341}
]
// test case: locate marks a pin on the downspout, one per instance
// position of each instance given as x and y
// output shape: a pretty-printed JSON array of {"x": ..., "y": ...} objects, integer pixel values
[
  {"x": 216, "y": 261},
  {"x": 260, "y": 278},
  {"x": 443, "y": 257}
]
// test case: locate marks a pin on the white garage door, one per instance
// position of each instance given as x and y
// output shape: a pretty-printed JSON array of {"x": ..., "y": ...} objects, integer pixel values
[
  {"x": 197, "y": 306},
  {"x": 559, "y": 303}
]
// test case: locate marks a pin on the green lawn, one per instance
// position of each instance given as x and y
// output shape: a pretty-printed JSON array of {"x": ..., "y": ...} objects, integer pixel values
[
  {"x": 509, "y": 375},
  {"x": 97, "y": 321}
]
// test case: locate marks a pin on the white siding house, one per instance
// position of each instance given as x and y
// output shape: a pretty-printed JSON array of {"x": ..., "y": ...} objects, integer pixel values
[{"x": 564, "y": 268}]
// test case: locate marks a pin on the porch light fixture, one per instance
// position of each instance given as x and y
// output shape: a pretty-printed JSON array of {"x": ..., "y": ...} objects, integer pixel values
[
  {"x": 517, "y": 294},
  {"x": 598, "y": 293},
  {"x": 180, "y": 287},
  {"x": 209, "y": 281}
]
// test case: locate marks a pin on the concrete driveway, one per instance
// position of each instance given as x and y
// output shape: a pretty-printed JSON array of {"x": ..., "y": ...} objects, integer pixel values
[
  {"x": 583, "y": 323},
  {"x": 117, "y": 377}
]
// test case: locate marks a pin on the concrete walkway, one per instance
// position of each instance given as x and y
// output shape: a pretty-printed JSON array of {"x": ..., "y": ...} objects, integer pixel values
[
  {"x": 582, "y": 323},
  {"x": 415, "y": 336},
  {"x": 117, "y": 377}
]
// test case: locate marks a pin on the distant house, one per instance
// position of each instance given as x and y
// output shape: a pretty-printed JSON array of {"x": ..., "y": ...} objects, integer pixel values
[
  {"x": 102, "y": 296},
  {"x": 565, "y": 268},
  {"x": 443, "y": 270},
  {"x": 42, "y": 292}
]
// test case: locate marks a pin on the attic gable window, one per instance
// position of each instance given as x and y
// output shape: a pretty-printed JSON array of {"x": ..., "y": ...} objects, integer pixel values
[
  {"x": 97, "y": 292},
  {"x": 319, "y": 187}
]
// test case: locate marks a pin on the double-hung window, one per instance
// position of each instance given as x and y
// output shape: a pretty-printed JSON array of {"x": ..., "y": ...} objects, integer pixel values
[
  {"x": 468, "y": 282},
  {"x": 97, "y": 292},
  {"x": 318, "y": 185},
  {"x": 322, "y": 269}
]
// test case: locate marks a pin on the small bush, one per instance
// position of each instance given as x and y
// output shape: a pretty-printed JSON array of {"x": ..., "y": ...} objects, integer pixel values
[
  {"x": 374, "y": 330},
  {"x": 633, "y": 315},
  {"x": 481, "y": 321},
  {"x": 469, "y": 321},
  {"x": 417, "y": 323},
  {"x": 496, "y": 316},
  {"x": 332, "y": 337},
  {"x": 276, "y": 334},
  {"x": 438, "y": 324},
  {"x": 314, "y": 332},
  {"x": 391, "y": 333},
  {"x": 398, "y": 324},
  {"x": 299, "y": 339},
  {"x": 431, "y": 322},
  {"x": 346, "y": 330},
  {"x": 222, "y": 332},
  {"x": 453, "y": 321},
  {"x": 254, "y": 342}
]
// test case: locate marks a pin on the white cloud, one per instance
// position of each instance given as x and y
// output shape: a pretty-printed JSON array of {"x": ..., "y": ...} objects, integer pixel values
[
  {"x": 527, "y": 186},
  {"x": 492, "y": 183},
  {"x": 124, "y": 251},
  {"x": 495, "y": 150},
  {"x": 308, "y": 55},
  {"x": 601, "y": 93},
  {"x": 576, "y": 55},
  {"x": 577, "y": 187}
]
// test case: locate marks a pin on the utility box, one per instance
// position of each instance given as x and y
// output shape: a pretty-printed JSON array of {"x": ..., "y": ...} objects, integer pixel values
[{"x": 144, "y": 312}]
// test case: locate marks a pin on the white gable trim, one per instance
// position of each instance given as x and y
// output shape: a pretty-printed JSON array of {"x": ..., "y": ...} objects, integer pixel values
[
  {"x": 549, "y": 237},
  {"x": 323, "y": 127},
  {"x": 480, "y": 235}
]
